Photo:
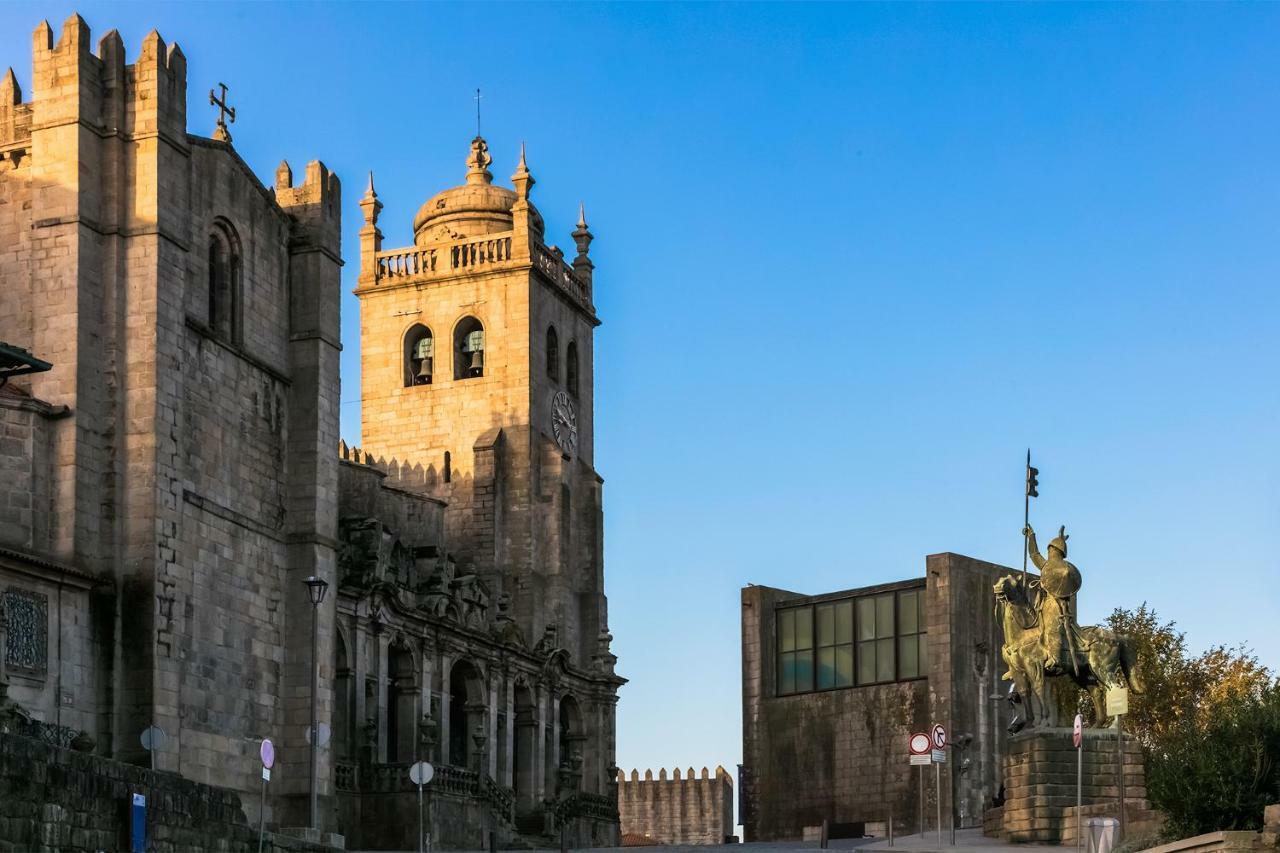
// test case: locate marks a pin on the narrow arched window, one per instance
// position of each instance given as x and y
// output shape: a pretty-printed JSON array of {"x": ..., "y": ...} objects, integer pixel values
[
  {"x": 571, "y": 368},
  {"x": 468, "y": 349},
  {"x": 448, "y": 467},
  {"x": 419, "y": 356},
  {"x": 224, "y": 284},
  {"x": 553, "y": 354}
]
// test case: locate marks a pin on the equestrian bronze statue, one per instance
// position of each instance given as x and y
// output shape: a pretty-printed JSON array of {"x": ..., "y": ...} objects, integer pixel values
[{"x": 1045, "y": 647}]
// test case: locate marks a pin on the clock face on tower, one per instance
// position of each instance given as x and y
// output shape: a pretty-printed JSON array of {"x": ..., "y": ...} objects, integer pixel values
[{"x": 564, "y": 422}]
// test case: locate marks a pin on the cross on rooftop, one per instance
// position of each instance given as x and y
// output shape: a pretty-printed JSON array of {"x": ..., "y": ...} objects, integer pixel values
[{"x": 224, "y": 112}]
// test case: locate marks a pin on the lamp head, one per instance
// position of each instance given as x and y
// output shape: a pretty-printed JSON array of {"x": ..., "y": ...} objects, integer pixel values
[{"x": 316, "y": 588}]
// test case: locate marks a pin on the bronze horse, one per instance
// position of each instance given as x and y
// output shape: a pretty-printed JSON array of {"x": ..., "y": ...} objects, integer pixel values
[{"x": 1034, "y": 651}]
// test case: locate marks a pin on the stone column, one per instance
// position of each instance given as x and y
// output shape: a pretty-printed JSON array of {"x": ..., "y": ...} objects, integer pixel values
[
  {"x": 446, "y": 663},
  {"x": 492, "y": 713},
  {"x": 509, "y": 708},
  {"x": 540, "y": 757},
  {"x": 383, "y": 697}
]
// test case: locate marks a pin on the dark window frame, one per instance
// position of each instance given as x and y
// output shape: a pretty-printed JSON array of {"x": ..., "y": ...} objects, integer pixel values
[{"x": 786, "y": 616}]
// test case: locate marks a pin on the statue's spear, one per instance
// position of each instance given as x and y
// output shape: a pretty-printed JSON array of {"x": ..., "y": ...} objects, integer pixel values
[{"x": 1030, "y": 492}]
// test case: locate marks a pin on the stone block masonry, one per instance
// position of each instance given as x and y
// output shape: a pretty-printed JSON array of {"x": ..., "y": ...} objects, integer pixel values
[
  {"x": 55, "y": 799},
  {"x": 684, "y": 809}
]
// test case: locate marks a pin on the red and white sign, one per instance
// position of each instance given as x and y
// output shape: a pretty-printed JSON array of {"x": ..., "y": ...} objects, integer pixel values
[
  {"x": 1077, "y": 731},
  {"x": 939, "y": 736},
  {"x": 920, "y": 744}
]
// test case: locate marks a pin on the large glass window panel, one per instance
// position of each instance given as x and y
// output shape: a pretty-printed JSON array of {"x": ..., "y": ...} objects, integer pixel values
[
  {"x": 866, "y": 619},
  {"x": 787, "y": 673},
  {"x": 867, "y": 663},
  {"x": 826, "y": 624},
  {"x": 909, "y": 656},
  {"x": 844, "y": 622},
  {"x": 908, "y": 615},
  {"x": 920, "y": 608},
  {"x": 804, "y": 627},
  {"x": 844, "y": 666},
  {"x": 826, "y": 668},
  {"x": 884, "y": 616},
  {"x": 786, "y": 630},
  {"x": 884, "y": 660},
  {"x": 924, "y": 657},
  {"x": 804, "y": 671}
]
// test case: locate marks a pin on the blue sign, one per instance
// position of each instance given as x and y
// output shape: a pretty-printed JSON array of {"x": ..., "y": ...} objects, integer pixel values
[{"x": 138, "y": 824}]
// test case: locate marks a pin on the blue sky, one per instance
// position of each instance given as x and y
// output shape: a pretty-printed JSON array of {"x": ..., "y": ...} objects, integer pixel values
[{"x": 851, "y": 262}]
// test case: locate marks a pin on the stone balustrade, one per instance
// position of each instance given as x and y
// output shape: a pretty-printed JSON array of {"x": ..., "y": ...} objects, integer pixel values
[{"x": 492, "y": 251}]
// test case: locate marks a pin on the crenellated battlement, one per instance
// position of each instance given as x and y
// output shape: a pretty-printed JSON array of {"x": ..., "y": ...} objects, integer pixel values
[
  {"x": 74, "y": 84},
  {"x": 404, "y": 475},
  {"x": 689, "y": 776},
  {"x": 683, "y": 808}
]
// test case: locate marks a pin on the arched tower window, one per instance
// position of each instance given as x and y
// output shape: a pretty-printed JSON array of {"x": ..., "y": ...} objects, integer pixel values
[
  {"x": 571, "y": 368},
  {"x": 468, "y": 349},
  {"x": 224, "y": 283},
  {"x": 553, "y": 354},
  {"x": 419, "y": 356}
]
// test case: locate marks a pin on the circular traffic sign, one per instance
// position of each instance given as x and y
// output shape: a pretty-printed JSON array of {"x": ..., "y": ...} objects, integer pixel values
[
  {"x": 1077, "y": 731},
  {"x": 152, "y": 738},
  {"x": 920, "y": 744},
  {"x": 421, "y": 773},
  {"x": 323, "y": 729},
  {"x": 939, "y": 736},
  {"x": 268, "y": 753}
]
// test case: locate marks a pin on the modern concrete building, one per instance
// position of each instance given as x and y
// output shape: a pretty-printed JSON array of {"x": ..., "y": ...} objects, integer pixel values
[{"x": 833, "y": 686}]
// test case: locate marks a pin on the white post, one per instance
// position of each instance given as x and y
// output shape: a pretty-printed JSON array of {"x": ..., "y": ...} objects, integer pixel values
[
  {"x": 420, "y": 816},
  {"x": 1079, "y": 777}
]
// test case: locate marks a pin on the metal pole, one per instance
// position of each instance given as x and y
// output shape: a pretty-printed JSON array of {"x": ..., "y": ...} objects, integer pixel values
[
  {"x": 1026, "y": 520},
  {"x": 315, "y": 702},
  {"x": 937, "y": 796},
  {"x": 1120, "y": 764},
  {"x": 920, "y": 779},
  {"x": 419, "y": 818},
  {"x": 262, "y": 814},
  {"x": 890, "y": 833}
]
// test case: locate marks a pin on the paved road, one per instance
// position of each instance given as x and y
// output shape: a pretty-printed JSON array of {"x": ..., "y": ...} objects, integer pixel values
[{"x": 967, "y": 841}]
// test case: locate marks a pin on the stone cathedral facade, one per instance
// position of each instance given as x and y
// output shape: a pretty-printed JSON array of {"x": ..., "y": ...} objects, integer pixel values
[{"x": 172, "y": 473}]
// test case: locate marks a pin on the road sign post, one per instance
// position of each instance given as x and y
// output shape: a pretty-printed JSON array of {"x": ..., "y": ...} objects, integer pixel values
[
  {"x": 267, "y": 752},
  {"x": 1077, "y": 737},
  {"x": 1118, "y": 706},
  {"x": 152, "y": 740},
  {"x": 939, "y": 737},
  {"x": 420, "y": 774},
  {"x": 918, "y": 745}
]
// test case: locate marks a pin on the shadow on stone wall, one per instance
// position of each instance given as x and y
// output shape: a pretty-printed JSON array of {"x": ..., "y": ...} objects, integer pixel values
[{"x": 57, "y": 799}]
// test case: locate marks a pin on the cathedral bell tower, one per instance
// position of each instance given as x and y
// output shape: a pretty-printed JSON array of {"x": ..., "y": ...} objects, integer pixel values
[{"x": 477, "y": 364}]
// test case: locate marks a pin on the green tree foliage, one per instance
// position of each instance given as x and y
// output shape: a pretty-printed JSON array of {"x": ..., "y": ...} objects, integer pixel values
[
  {"x": 1210, "y": 724},
  {"x": 1221, "y": 771}
]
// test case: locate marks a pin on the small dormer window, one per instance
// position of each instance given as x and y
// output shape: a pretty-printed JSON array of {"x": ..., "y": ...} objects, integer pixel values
[
  {"x": 419, "y": 356},
  {"x": 468, "y": 359}
]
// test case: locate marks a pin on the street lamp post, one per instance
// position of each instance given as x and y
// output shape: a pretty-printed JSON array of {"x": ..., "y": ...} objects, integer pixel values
[{"x": 316, "y": 588}]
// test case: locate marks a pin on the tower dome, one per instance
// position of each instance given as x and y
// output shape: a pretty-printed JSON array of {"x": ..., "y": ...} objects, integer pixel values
[{"x": 473, "y": 209}]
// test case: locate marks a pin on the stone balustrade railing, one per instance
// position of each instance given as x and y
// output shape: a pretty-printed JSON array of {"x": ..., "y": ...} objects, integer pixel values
[
  {"x": 554, "y": 267},
  {"x": 413, "y": 262},
  {"x": 487, "y": 252},
  {"x": 346, "y": 776}
]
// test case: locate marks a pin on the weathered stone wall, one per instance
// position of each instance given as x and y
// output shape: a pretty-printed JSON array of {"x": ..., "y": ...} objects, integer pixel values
[
  {"x": 58, "y": 800},
  {"x": 194, "y": 467},
  {"x": 1040, "y": 792},
  {"x": 679, "y": 810},
  {"x": 841, "y": 755}
]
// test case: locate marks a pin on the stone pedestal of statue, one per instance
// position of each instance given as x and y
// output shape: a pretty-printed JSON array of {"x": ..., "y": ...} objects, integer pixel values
[{"x": 1040, "y": 786}]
